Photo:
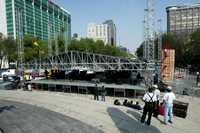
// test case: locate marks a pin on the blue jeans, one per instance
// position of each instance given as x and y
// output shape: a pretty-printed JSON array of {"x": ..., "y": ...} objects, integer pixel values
[{"x": 168, "y": 113}]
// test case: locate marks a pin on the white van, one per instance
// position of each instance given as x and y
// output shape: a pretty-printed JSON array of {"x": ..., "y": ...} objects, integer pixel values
[{"x": 9, "y": 72}]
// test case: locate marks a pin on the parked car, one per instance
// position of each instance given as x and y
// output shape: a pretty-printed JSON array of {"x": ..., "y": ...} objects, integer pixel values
[
  {"x": 1, "y": 71},
  {"x": 8, "y": 72},
  {"x": 10, "y": 82}
]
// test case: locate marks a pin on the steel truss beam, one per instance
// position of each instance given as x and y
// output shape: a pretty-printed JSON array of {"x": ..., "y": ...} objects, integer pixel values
[{"x": 88, "y": 61}]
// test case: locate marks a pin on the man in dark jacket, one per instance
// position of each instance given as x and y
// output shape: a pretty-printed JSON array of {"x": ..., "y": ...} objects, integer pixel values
[
  {"x": 103, "y": 94},
  {"x": 96, "y": 92}
]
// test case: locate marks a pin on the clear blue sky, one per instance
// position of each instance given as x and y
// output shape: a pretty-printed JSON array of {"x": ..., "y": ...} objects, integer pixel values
[{"x": 127, "y": 15}]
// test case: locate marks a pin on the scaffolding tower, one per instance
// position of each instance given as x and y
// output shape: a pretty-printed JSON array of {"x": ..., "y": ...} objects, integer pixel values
[
  {"x": 159, "y": 36},
  {"x": 149, "y": 32}
]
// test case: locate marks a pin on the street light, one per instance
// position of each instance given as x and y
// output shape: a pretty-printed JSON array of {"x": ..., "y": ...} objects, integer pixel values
[
  {"x": 38, "y": 48},
  {"x": 20, "y": 36}
]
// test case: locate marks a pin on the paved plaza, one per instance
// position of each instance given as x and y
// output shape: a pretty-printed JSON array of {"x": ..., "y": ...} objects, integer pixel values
[
  {"x": 18, "y": 117},
  {"x": 56, "y": 112}
]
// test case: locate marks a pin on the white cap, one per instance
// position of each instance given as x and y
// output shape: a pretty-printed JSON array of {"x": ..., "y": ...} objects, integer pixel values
[
  {"x": 169, "y": 87},
  {"x": 155, "y": 86}
]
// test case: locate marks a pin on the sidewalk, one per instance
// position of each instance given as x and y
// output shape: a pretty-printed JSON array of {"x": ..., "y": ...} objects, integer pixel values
[{"x": 104, "y": 115}]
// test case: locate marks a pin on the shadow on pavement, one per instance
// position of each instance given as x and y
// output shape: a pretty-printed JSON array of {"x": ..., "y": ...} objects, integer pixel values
[
  {"x": 16, "y": 117},
  {"x": 7, "y": 108},
  {"x": 127, "y": 124},
  {"x": 1, "y": 130},
  {"x": 135, "y": 114}
]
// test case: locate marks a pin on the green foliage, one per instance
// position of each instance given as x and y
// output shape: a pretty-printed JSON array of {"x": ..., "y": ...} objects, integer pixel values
[
  {"x": 35, "y": 48},
  {"x": 186, "y": 53},
  {"x": 8, "y": 48},
  {"x": 172, "y": 41},
  {"x": 139, "y": 51},
  {"x": 89, "y": 45},
  {"x": 192, "y": 51}
]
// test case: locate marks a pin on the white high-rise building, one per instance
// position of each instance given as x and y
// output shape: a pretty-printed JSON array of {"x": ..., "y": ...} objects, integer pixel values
[{"x": 105, "y": 32}]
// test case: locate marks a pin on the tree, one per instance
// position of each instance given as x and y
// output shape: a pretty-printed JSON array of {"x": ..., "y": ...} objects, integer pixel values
[
  {"x": 89, "y": 45},
  {"x": 192, "y": 51},
  {"x": 34, "y": 48},
  {"x": 168, "y": 41},
  {"x": 186, "y": 52},
  {"x": 172, "y": 41},
  {"x": 8, "y": 48},
  {"x": 139, "y": 51}
]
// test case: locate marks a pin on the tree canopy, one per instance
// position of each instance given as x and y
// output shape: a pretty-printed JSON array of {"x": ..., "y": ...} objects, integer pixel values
[
  {"x": 187, "y": 53},
  {"x": 35, "y": 48},
  {"x": 89, "y": 45},
  {"x": 8, "y": 48}
]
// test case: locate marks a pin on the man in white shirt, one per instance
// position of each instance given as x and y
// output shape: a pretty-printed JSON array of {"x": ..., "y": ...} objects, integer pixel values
[
  {"x": 168, "y": 99},
  {"x": 149, "y": 99},
  {"x": 157, "y": 93}
]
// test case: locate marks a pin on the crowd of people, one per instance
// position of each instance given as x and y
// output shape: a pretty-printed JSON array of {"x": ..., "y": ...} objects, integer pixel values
[{"x": 154, "y": 104}]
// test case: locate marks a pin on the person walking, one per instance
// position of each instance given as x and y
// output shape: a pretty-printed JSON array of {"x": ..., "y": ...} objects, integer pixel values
[
  {"x": 96, "y": 92},
  {"x": 46, "y": 73},
  {"x": 103, "y": 94},
  {"x": 149, "y": 99},
  {"x": 168, "y": 99},
  {"x": 198, "y": 78},
  {"x": 157, "y": 93}
]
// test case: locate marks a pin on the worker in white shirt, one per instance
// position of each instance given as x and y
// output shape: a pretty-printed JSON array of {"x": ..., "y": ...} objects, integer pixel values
[
  {"x": 149, "y": 99},
  {"x": 157, "y": 93},
  {"x": 168, "y": 99}
]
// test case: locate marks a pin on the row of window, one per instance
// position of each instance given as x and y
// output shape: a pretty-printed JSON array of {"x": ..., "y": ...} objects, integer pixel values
[
  {"x": 184, "y": 22},
  {"x": 184, "y": 28},
  {"x": 50, "y": 9},
  {"x": 29, "y": 11}
]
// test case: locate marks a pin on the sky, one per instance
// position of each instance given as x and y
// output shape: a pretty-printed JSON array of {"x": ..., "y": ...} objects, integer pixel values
[{"x": 128, "y": 15}]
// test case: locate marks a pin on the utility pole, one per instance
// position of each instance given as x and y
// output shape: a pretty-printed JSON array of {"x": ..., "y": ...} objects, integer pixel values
[
  {"x": 159, "y": 48},
  {"x": 65, "y": 38},
  {"x": 49, "y": 39},
  {"x": 20, "y": 38},
  {"x": 56, "y": 43},
  {"x": 159, "y": 40}
]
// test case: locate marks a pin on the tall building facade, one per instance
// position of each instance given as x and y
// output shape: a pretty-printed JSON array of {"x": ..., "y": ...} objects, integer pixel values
[
  {"x": 183, "y": 20},
  {"x": 38, "y": 18},
  {"x": 105, "y": 32}
]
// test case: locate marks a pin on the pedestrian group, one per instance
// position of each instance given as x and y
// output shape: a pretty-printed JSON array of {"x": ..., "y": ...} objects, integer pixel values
[{"x": 152, "y": 104}]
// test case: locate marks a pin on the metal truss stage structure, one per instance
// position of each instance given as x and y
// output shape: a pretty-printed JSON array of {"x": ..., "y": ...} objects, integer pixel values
[{"x": 88, "y": 61}]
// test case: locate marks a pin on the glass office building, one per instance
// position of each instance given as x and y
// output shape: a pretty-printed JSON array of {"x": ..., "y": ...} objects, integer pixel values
[{"x": 38, "y": 18}]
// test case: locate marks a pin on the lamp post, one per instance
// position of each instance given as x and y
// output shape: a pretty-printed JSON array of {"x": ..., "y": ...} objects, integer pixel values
[
  {"x": 20, "y": 37},
  {"x": 38, "y": 53}
]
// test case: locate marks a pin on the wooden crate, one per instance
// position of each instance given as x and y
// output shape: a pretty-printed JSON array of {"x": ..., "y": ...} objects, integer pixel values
[{"x": 180, "y": 109}]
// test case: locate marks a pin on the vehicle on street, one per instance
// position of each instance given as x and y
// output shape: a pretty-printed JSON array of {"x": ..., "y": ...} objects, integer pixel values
[
  {"x": 10, "y": 82},
  {"x": 8, "y": 72}
]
